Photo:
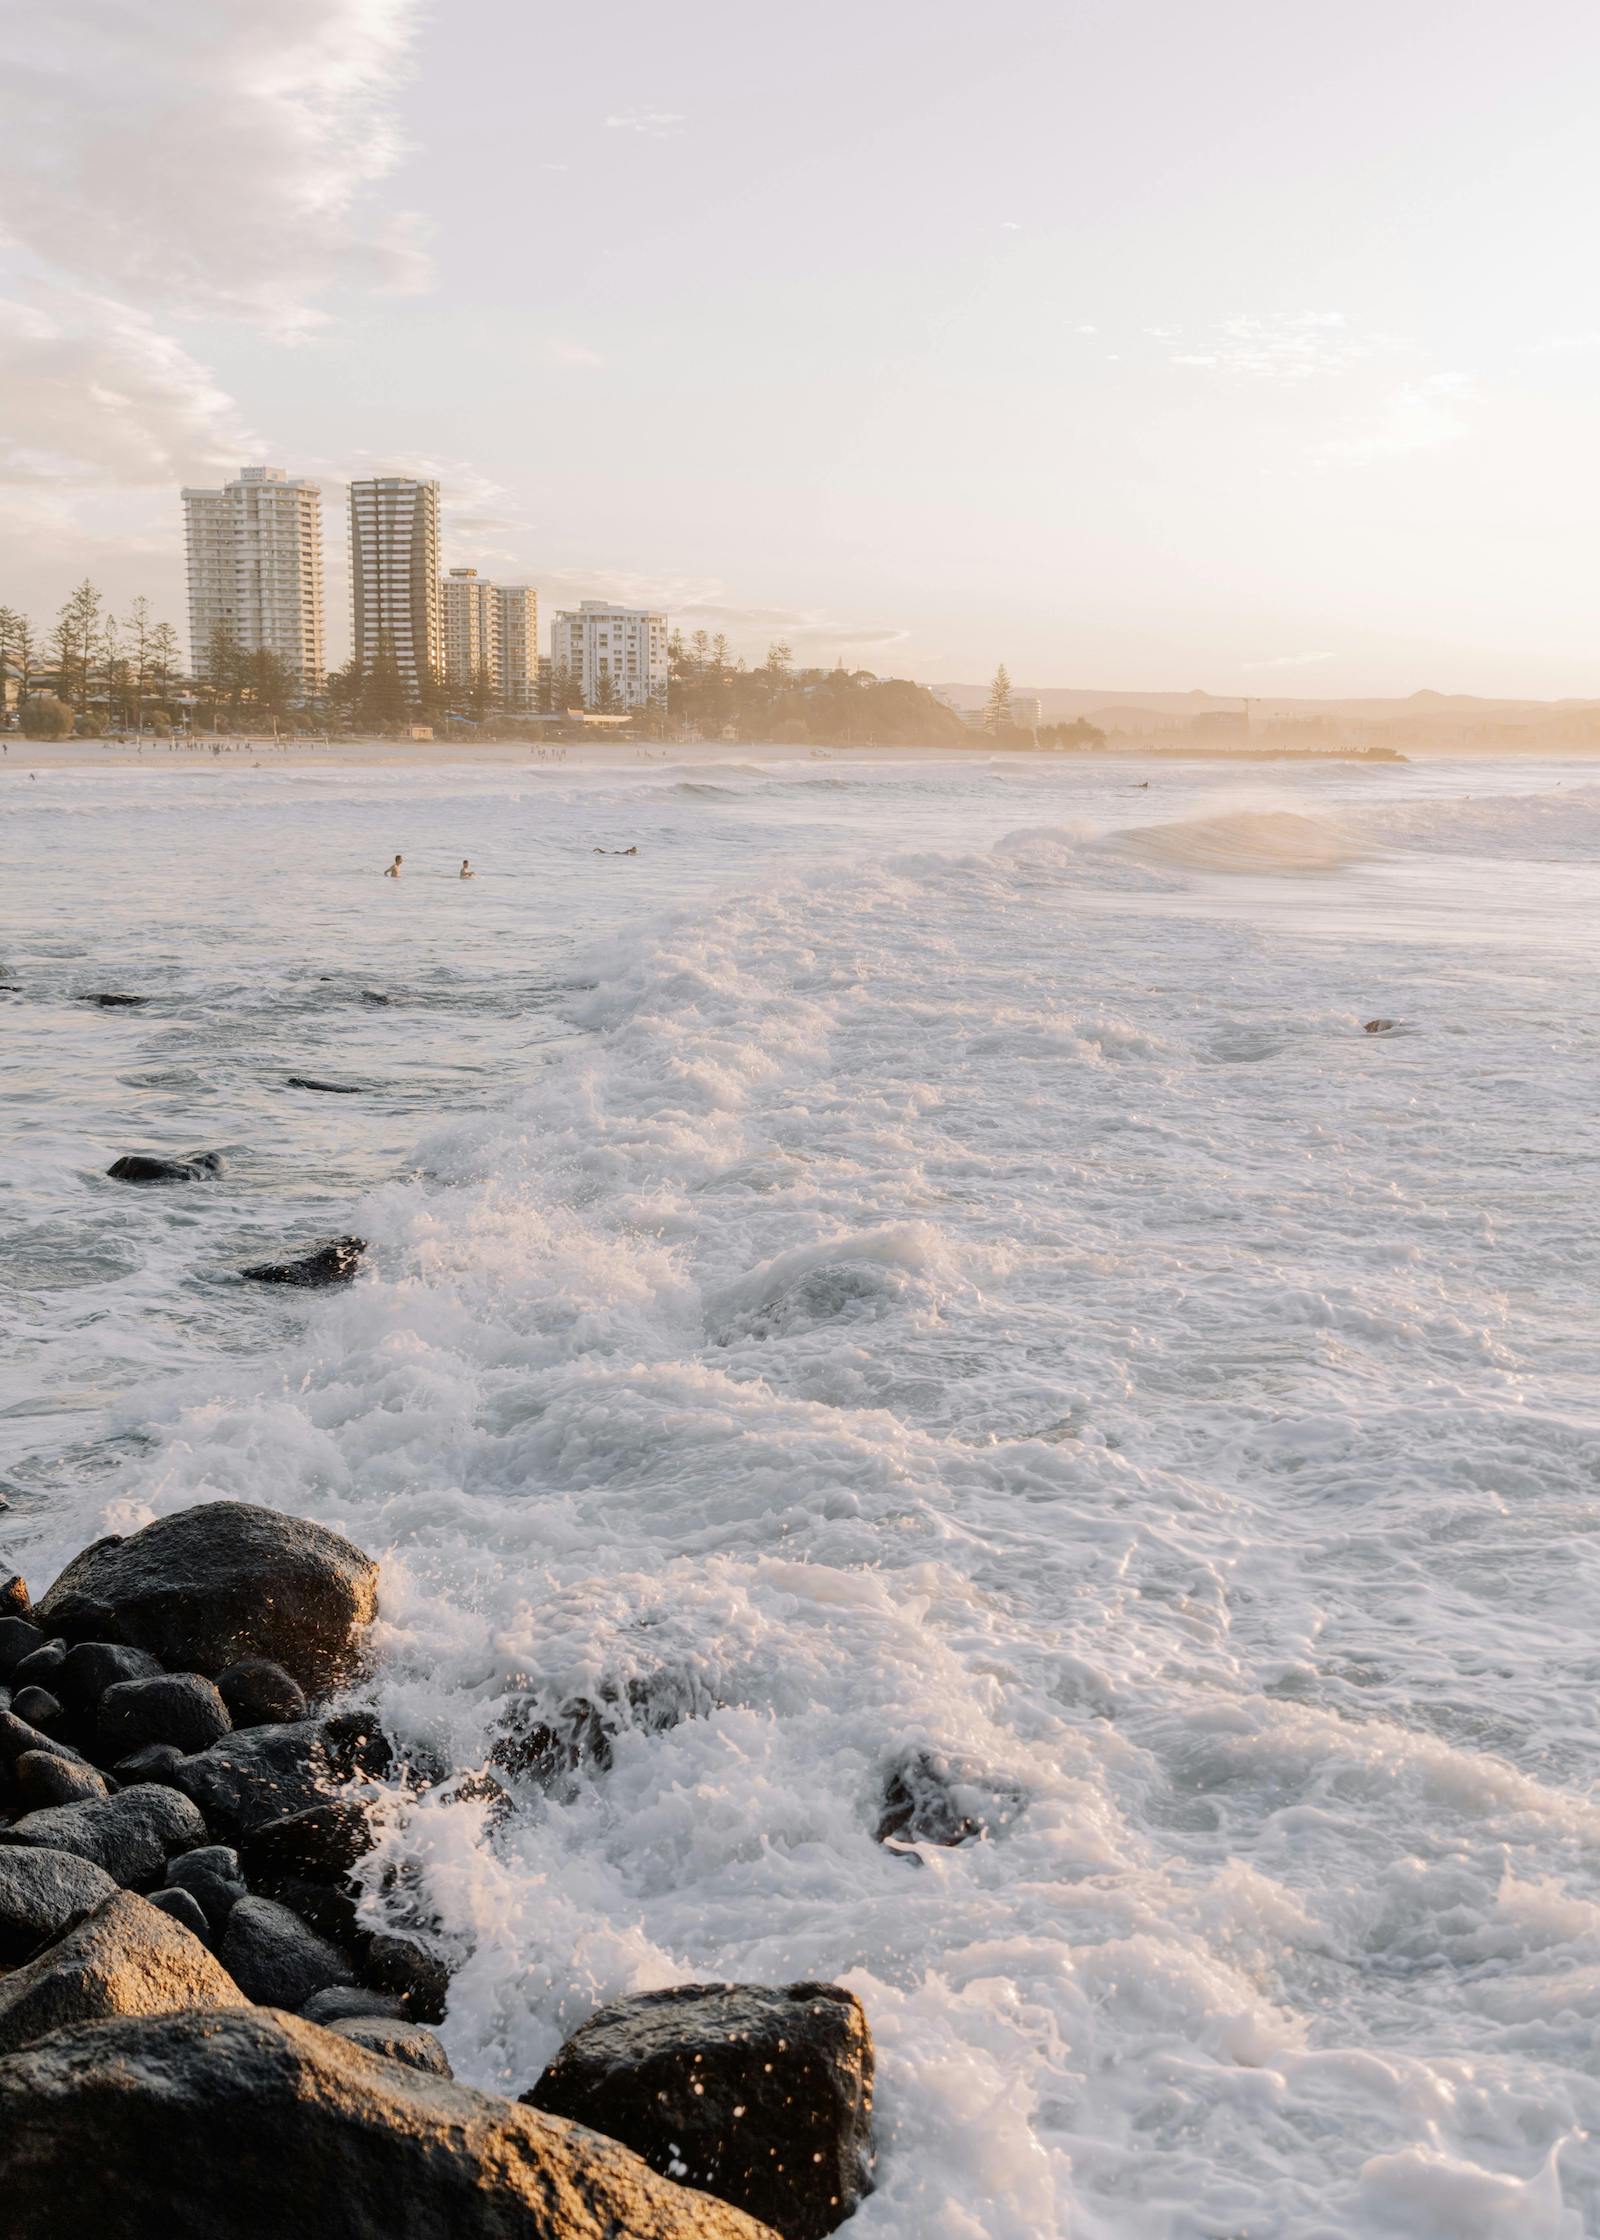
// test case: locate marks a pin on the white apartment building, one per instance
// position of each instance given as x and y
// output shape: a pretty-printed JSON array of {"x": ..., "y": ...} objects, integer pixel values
[
  {"x": 624, "y": 645},
  {"x": 394, "y": 575},
  {"x": 255, "y": 570},
  {"x": 471, "y": 622},
  {"x": 519, "y": 644}
]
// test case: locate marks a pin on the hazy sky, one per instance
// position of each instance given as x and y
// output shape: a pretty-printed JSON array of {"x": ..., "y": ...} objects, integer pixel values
[{"x": 1251, "y": 344}]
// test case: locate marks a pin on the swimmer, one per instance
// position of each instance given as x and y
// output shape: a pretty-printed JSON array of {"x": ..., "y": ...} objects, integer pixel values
[
  {"x": 466, "y": 871},
  {"x": 393, "y": 871}
]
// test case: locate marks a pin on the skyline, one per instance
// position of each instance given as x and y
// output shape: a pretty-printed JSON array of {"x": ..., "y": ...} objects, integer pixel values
[{"x": 1101, "y": 366}]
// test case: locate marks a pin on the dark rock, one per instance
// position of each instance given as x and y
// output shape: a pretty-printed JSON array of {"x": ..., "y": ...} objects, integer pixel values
[
  {"x": 417, "y": 1977},
  {"x": 275, "y": 1958},
  {"x": 175, "y": 1707},
  {"x": 41, "y": 1667},
  {"x": 338, "y": 1261},
  {"x": 1378, "y": 1026},
  {"x": 125, "y": 1958},
  {"x": 157, "y": 1761},
  {"x": 18, "y": 1737},
  {"x": 19, "y": 1637},
  {"x": 223, "y": 1581},
  {"x": 396, "y": 2041},
  {"x": 212, "y": 1877},
  {"x": 355, "y": 1743},
  {"x": 375, "y": 995},
  {"x": 927, "y": 1801},
  {"x": 148, "y": 1166},
  {"x": 14, "y": 1598},
  {"x": 345, "y": 2001},
  {"x": 329, "y": 1907},
  {"x": 258, "y": 2125},
  {"x": 43, "y": 1779},
  {"x": 109, "y": 1000},
  {"x": 187, "y": 1911},
  {"x": 132, "y": 1835},
  {"x": 322, "y": 1842},
  {"x": 42, "y": 1895},
  {"x": 90, "y": 1667},
  {"x": 259, "y": 1774},
  {"x": 762, "y": 2097},
  {"x": 39, "y": 1707},
  {"x": 328, "y": 1088},
  {"x": 259, "y": 1693}
]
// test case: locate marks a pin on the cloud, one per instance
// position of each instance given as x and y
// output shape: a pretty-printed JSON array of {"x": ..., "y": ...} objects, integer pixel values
[
  {"x": 655, "y": 124},
  {"x": 1422, "y": 416},
  {"x": 1282, "y": 346}
]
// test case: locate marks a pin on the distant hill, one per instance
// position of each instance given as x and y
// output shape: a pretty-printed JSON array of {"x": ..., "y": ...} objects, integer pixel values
[{"x": 1060, "y": 703}]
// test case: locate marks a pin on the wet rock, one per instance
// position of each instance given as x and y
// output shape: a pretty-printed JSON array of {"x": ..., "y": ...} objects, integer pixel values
[
  {"x": 212, "y": 1877},
  {"x": 338, "y": 1261},
  {"x": 17, "y": 1737},
  {"x": 347, "y": 2001},
  {"x": 187, "y": 1911},
  {"x": 42, "y": 1895},
  {"x": 375, "y": 995},
  {"x": 335, "y": 2140},
  {"x": 259, "y": 1693},
  {"x": 223, "y": 1581},
  {"x": 110, "y": 999},
  {"x": 760, "y": 2096},
  {"x": 132, "y": 1835},
  {"x": 927, "y": 1801},
  {"x": 274, "y": 1956},
  {"x": 41, "y": 1667},
  {"x": 259, "y": 1774},
  {"x": 157, "y": 1761},
  {"x": 125, "y": 1958},
  {"x": 14, "y": 1598},
  {"x": 44, "y": 1780},
  {"x": 322, "y": 1842},
  {"x": 328, "y": 1088},
  {"x": 329, "y": 1907},
  {"x": 39, "y": 1708},
  {"x": 149, "y": 1166},
  {"x": 90, "y": 1667},
  {"x": 396, "y": 2041},
  {"x": 1378, "y": 1026},
  {"x": 175, "y": 1707},
  {"x": 417, "y": 1977},
  {"x": 19, "y": 1637}
]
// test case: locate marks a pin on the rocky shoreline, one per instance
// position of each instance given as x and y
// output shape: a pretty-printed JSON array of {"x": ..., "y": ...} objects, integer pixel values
[{"x": 203, "y": 2032}]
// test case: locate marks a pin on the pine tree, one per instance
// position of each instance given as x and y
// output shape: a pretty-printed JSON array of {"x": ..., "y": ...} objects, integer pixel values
[
  {"x": 997, "y": 712},
  {"x": 75, "y": 642}
]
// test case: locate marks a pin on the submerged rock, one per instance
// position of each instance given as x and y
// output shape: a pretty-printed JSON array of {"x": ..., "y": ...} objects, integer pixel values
[
  {"x": 109, "y": 999},
  {"x": 221, "y": 1581},
  {"x": 257, "y": 2125},
  {"x": 760, "y": 2096},
  {"x": 42, "y": 1895},
  {"x": 328, "y": 1088},
  {"x": 927, "y": 1801},
  {"x": 1378, "y": 1026},
  {"x": 149, "y": 1166},
  {"x": 131, "y": 1835},
  {"x": 124, "y": 1958},
  {"x": 336, "y": 1262}
]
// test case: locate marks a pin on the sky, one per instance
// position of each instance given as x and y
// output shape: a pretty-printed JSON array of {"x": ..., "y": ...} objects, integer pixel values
[{"x": 1250, "y": 345}]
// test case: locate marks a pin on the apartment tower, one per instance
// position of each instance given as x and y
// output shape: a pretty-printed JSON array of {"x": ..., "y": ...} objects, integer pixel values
[
  {"x": 255, "y": 571},
  {"x": 518, "y": 605},
  {"x": 470, "y": 613},
  {"x": 616, "y": 654},
  {"x": 394, "y": 577}
]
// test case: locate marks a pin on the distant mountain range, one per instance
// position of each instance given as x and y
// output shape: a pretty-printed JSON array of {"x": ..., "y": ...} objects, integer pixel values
[{"x": 1122, "y": 711}]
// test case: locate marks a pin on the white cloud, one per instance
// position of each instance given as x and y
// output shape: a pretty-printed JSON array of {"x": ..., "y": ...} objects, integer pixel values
[
  {"x": 1282, "y": 346},
  {"x": 1422, "y": 416},
  {"x": 655, "y": 124}
]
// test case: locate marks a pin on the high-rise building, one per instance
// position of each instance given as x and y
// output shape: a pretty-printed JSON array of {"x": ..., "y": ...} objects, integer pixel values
[
  {"x": 519, "y": 644},
  {"x": 625, "y": 648},
  {"x": 394, "y": 576},
  {"x": 471, "y": 620},
  {"x": 255, "y": 571}
]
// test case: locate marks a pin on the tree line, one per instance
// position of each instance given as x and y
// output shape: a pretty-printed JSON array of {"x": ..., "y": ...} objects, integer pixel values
[{"x": 91, "y": 668}]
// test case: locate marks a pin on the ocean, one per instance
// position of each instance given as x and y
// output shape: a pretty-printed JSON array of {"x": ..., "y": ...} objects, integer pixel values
[{"x": 913, "y": 1298}]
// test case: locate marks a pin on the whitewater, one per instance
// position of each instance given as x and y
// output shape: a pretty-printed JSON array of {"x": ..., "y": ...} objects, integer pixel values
[{"x": 921, "y": 1272}]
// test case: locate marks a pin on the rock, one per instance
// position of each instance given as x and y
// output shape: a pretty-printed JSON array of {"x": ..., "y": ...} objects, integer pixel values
[
  {"x": 212, "y": 1877},
  {"x": 124, "y": 1958},
  {"x": 187, "y": 1911},
  {"x": 330, "y": 1908},
  {"x": 261, "y": 1774},
  {"x": 324, "y": 1841},
  {"x": 328, "y": 1088},
  {"x": 14, "y": 1598},
  {"x": 927, "y": 1801},
  {"x": 417, "y": 1977},
  {"x": 19, "y": 1637},
  {"x": 338, "y": 1261},
  {"x": 259, "y": 1693},
  {"x": 41, "y": 1667},
  {"x": 149, "y": 1166},
  {"x": 257, "y": 2125},
  {"x": 375, "y": 995},
  {"x": 275, "y": 1958},
  {"x": 132, "y": 1835},
  {"x": 345, "y": 2001},
  {"x": 175, "y": 1707},
  {"x": 109, "y": 1000},
  {"x": 396, "y": 2041},
  {"x": 42, "y": 1895},
  {"x": 157, "y": 1761},
  {"x": 39, "y": 1708},
  {"x": 43, "y": 1780},
  {"x": 223, "y": 1581},
  {"x": 90, "y": 1667},
  {"x": 762, "y": 2097},
  {"x": 1378, "y": 1026},
  {"x": 17, "y": 1737}
]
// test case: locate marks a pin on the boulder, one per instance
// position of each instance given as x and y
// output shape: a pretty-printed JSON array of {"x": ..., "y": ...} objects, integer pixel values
[
  {"x": 343, "y": 2002},
  {"x": 417, "y": 1977},
  {"x": 45, "y": 1779},
  {"x": 90, "y": 1667},
  {"x": 760, "y": 2096},
  {"x": 175, "y": 1707},
  {"x": 275, "y": 1957},
  {"x": 331, "y": 1908},
  {"x": 396, "y": 2041},
  {"x": 41, "y": 1667},
  {"x": 149, "y": 1166},
  {"x": 132, "y": 1835},
  {"x": 157, "y": 1761},
  {"x": 110, "y": 999},
  {"x": 223, "y": 1581},
  {"x": 42, "y": 1895},
  {"x": 259, "y": 1693},
  {"x": 123, "y": 1958},
  {"x": 15, "y": 1601},
  {"x": 262, "y": 1774},
  {"x": 323, "y": 1842},
  {"x": 17, "y": 1738},
  {"x": 335, "y": 1262},
  {"x": 212, "y": 1878},
  {"x": 37, "y": 1707},
  {"x": 258, "y": 2125},
  {"x": 19, "y": 1637},
  {"x": 328, "y": 1088},
  {"x": 187, "y": 1911}
]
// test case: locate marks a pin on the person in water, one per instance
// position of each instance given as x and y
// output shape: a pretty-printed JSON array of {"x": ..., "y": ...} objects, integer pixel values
[
  {"x": 393, "y": 871},
  {"x": 466, "y": 871}
]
